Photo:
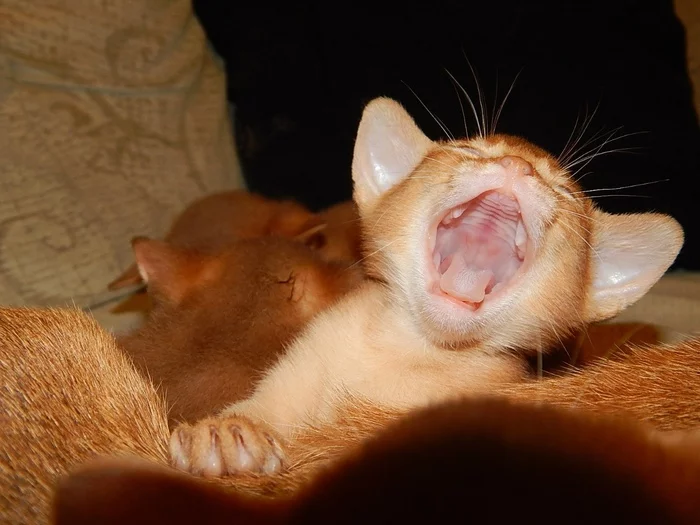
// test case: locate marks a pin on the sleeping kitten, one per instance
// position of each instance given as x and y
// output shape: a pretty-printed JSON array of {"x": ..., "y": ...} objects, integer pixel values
[
  {"x": 220, "y": 319},
  {"x": 481, "y": 252},
  {"x": 213, "y": 222}
]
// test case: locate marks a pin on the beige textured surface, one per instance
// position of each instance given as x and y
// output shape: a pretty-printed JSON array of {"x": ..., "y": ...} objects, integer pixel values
[
  {"x": 674, "y": 304},
  {"x": 113, "y": 116},
  {"x": 689, "y": 13}
]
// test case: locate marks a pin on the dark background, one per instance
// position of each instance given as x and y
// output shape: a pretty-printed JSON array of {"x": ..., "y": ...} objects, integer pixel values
[{"x": 300, "y": 74}]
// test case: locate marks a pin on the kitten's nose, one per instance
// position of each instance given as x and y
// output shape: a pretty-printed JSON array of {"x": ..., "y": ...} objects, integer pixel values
[{"x": 516, "y": 166}]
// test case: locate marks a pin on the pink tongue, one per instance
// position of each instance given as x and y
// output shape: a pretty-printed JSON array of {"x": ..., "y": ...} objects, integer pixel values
[{"x": 464, "y": 282}]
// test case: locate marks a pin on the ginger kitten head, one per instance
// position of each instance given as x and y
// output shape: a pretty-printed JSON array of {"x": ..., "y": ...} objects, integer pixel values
[{"x": 490, "y": 241}]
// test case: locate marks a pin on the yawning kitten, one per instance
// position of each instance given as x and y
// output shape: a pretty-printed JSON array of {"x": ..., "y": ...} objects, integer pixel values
[{"x": 481, "y": 251}]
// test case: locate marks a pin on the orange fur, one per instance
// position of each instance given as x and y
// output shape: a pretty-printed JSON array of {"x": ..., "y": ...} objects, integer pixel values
[
  {"x": 68, "y": 394},
  {"x": 387, "y": 350},
  {"x": 479, "y": 460},
  {"x": 407, "y": 338},
  {"x": 72, "y": 396}
]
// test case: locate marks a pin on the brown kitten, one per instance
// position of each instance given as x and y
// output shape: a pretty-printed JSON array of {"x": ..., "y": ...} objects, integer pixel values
[
  {"x": 481, "y": 252},
  {"x": 474, "y": 460},
  {"x": 213, "y": 222},
  {"x": 68, "y": 394},
  {"x": 220, "y": 319}
]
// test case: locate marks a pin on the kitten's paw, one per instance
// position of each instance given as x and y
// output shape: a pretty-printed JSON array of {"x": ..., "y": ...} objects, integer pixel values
[{"x": 222, "y": 446}]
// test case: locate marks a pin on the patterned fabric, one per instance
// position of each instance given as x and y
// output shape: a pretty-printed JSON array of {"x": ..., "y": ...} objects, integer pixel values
[{"x": 113, "y": 116}]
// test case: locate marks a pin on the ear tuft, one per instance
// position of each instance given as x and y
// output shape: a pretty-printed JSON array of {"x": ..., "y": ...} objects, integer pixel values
[
  {"x": 388, "y": 147},
  {"x": 631, "y": 253}
]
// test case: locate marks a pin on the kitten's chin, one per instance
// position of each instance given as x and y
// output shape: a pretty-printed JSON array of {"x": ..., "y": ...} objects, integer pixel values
[{"x": 477, "y": 253}]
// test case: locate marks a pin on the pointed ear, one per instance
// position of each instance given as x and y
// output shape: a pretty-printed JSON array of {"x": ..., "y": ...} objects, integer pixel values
[
  {"x": 632, "y": 252},
  {"x": 290, "y": 219},
  {"x": 169, "y": 272},
  {"x": 388, "y": 147},
  {"x": 313, "y": 236}
]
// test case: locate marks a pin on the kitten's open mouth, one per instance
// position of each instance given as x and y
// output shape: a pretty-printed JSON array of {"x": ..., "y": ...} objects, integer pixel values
[{"x": 479, "y": 248}]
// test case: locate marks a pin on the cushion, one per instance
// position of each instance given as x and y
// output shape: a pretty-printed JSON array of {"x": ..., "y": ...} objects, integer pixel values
[{"x": 113, "y": 116}]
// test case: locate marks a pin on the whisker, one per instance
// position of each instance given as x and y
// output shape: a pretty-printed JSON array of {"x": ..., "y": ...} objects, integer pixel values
[
  {"x": 439, "y": 122},
  {"x": 621, "y": 187},
  {"x": 597, "y": 152},
  {"x": 571, "y": 212},
  {"x": 620, "y": 195},
  {"x": 577, "y": 154},
  {"x": 570, "y": 228},
  {"x": 495, "y": 101},
  {"x": 562, "y": 156},
  {"x": 563, "y": 346},
  {"x": 482, "y": 100},
  {"x": 503, "y": 103},
  {"x": 471, "y": 103},
  {"x": 461, "y": 107},
  {"x": 577, "y": 146},
  {"x": 586, "y": 123},
  {"x": 375, "y": 252},
  {"x": 596, "y": 155}
]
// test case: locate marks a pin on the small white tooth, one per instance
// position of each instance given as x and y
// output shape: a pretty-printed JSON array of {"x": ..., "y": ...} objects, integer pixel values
[
  {"x": 458, "y": 211},
  {"x": 520, "y": 235}
]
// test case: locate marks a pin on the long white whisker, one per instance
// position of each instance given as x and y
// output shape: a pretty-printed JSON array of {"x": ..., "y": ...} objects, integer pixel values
[
  {"x": 600, "y": 134},
  {"x": 621, "y": 195},
  {"x": 439, "y": 122},
  {"x": 505, "y": 99},
  {"x": 586, "y": 123},
  {"x": 461, "y": 107},
  {"x": 570, "y": 228},
  {"x": 609, "y": 140},
  {"x": 375, "y": 252},
  {"x": 621, "y": 187},
  {"x": 563, "y": 155},
  {"x": 551, "y": 324},
  {"x": 592, "y": 156},
  {"x": 480, "y": 93},
  {"x": 471, "y": 103},
  {"x": 571, "y": 212}
]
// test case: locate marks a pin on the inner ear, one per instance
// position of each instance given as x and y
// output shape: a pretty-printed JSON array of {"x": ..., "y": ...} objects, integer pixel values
[
  {"x": 314, "y": 236},
  {"x": 388, "y": 147},
  {"x": 631, "y": 253}
]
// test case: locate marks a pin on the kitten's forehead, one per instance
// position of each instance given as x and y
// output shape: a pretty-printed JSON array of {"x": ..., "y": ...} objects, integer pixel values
[{"x": 496, "y": 146}]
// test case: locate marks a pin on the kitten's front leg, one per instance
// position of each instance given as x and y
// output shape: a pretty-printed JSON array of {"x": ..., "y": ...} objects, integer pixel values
[{"x": 225, "y": 445}]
